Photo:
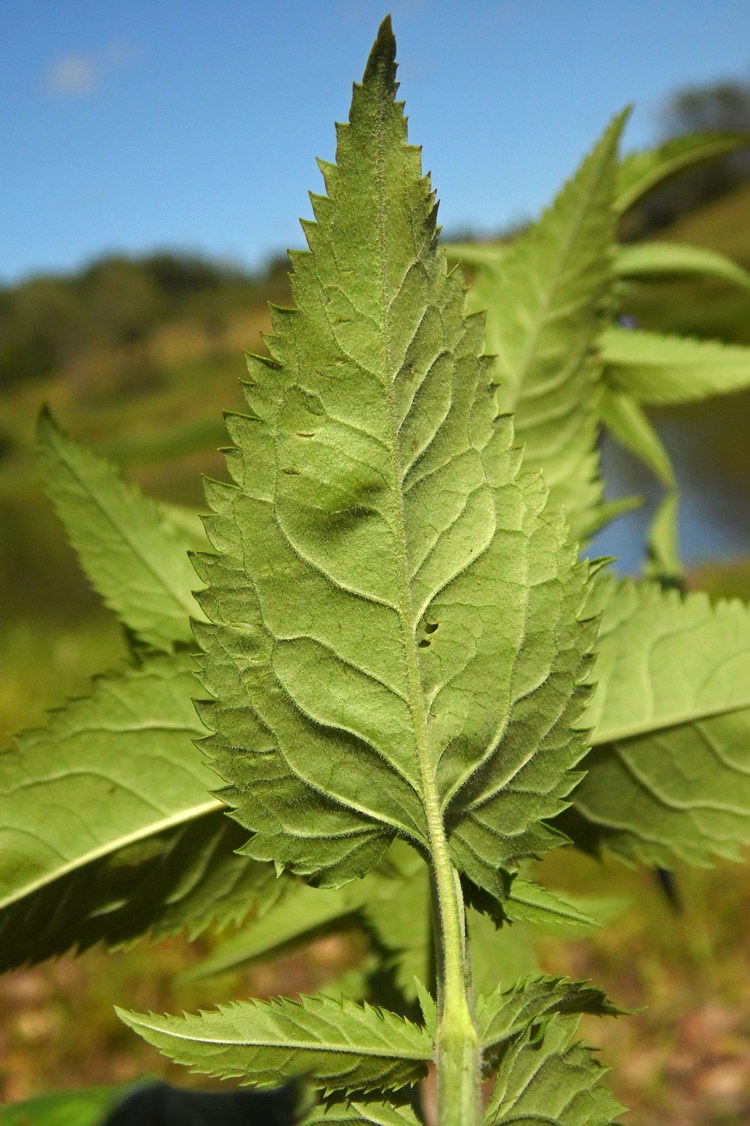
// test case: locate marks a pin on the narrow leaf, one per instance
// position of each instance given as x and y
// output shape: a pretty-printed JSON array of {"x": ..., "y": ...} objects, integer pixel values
[
  {"x": 669, "y": 775},
  {"x": 300, "y": 913},
  {"x": 544, "y": 909},
  {"x": 629, "y": 425},
  {"x": 98, "y": 845},
  {"x": 362, "y": 1114},
  {"x": 489, "y": 254},
  {"x": 396, "y": 634},
  {"x": 649, "y": 260},
  {"x": 660, "y": 369},
  {"x": 544, "y": 1079},
  {"x": 133, "y": 550},
  {"x": 640, "y": 172},
  {"x": 339, "y": 1045},
  {"x": 545, "y": 301}
]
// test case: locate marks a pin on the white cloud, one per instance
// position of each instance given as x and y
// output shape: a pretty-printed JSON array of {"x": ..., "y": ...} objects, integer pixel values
[
  {"x": 72, "y": 76},
  {"x": 79, "y": 73}
]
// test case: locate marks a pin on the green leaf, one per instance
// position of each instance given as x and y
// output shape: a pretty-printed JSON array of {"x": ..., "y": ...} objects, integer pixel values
[
  {"x": 362, "y": 1114},
  {"x": 669, "y": 775},
  {"x": 663, "y": 563},
  {"x": 508, "y": 1012},
  {"x": 301, "y": 912},
  {"x": 650, "y": 260},
  {"x": 340, "y": 1045},
  {"x": 398, "y": 910},
  {"x": 545, "y": 300},
  {"x": 68, "y": 1108},
  {"x": 499, "y": 957},
  {"x": 544, "y": 1079},
  {"x": 95, "y": 844},
  {"x": 629, "y": 425},
  {"x": 396, "y": 636},
  {"x": 544, "y": 909},
  {"x": 490, "y": 254},
  {"x": 133, "y": 550},
  {"x": 660, "y": 369},
  {"x": 640, "y": 172}
]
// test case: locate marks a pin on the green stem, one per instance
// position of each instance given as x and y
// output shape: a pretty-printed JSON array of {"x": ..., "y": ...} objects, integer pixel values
[{"x": 457, "y": 1049}]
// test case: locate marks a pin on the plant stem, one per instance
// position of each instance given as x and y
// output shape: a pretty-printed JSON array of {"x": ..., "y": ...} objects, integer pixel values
[{"x": 457, "y": 1050}]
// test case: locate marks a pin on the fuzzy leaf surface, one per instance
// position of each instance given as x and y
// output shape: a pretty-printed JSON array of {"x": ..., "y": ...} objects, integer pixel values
[
  {"x": 640, "y": 172},
  {"x": 395, "y": 634},
  {"x": 543, "y": 1079},
  {"x": 669, "y": 772},
  {"x": 661, "y": 369},
  {"x": 108, "y": 828},
  {"x": 545, "y": 297},
  {"x": 340, "y": 1045},
  {"x": 133, "y": 550}
]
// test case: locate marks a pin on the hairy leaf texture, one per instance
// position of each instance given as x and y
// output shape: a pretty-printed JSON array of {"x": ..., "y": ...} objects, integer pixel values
[
  {"x": 659, "y": 369},
  {"x": 546, "y": 297},
  {"x": 396, "y": 632},
  {"x": 107, "y": 829},
  {"x": 669, "y": 775},
  {"x": 640, "y": 172},
  {"x": 543, "y": 1078},
  {"x": 338, "y": 1044},
  {"x": 133, "y": 549}
]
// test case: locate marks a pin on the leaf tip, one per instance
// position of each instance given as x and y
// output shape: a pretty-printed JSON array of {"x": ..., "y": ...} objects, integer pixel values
[{"x": 381, "y": 65}]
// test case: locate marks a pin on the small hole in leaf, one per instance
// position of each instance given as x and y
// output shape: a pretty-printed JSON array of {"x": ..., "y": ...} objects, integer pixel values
[
  {"x": 305, "y": 433},
  {"x": 291, "y": 472},
  {"x": 424, "y": 643},
  {"x": 430, "y": 627}
]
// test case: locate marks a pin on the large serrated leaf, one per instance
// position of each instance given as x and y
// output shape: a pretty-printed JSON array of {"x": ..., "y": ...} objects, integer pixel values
[
  {"x": 543, "y": 1079},
  {"x": 107, "y": 828},
  {"x": 396, "y": 634},
  {"x": 661, "y": 369},
  {"x": 133, "y": 550},
  {"x": 669, "y": 775},
  {"x": 545, "y": 296},
  {"x": 640, "y": 172},
  {"x": 340, "y": 1045}
]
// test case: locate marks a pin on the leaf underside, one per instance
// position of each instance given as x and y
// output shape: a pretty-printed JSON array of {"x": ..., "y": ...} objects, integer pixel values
[
  {"x": 546, "y": 297},
  {"x": 395, "y": 617},
  {"x": 107, "y": 826},
  {"x": 338, "y": 1044},
  {"x": 133, "y": 549},
  {"x": 669, "y": 774}
]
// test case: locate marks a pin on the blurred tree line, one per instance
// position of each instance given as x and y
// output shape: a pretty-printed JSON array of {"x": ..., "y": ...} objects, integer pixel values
[{"x": 113, "y": 305}]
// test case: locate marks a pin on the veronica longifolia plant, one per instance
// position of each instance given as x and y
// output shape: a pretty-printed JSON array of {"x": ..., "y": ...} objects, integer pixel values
[{"x": 397, "y": 638}]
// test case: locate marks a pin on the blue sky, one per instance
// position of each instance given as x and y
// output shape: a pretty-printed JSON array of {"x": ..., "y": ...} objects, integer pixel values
[{"x": 135, "y": 124}]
